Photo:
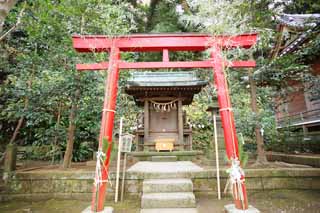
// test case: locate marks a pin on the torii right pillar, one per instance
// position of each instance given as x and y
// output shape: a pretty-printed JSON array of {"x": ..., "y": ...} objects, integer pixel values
[{"x": 231, "y": 142}]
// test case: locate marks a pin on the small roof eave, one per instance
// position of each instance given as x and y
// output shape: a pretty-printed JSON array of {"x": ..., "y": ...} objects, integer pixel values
[
  {"x": 164, "y": 80},
  {"x": 299, "y": 21},
  {"x": 200, "y": 83}
]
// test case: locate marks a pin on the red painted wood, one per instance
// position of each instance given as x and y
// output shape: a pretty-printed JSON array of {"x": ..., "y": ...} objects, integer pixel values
[
  {"x": 165, "y": 55},
  {"x": 142, "y": 43},
  {"x": 242, "y": 64},
  {"x": 106, "y": 129},
  {"x": 226, "y": 113},
  {"x": 95, "y": 66},
  {"x": 231, "y": 142},
  {"x": 161, "y": 65}
]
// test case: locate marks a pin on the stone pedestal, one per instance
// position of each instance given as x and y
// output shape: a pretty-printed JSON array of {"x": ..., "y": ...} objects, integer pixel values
[
  {"x": 10, "y": 159},
  {"x": 230, "y": 208},
  {"x": 91, "y": 163},
  {"x": 106, "y": 210}
]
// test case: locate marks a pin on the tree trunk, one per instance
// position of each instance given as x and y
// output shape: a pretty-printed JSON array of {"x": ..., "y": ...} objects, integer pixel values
[
  {"x": 72, "y": 126},
  {"x": 185, "y": 6},
  {"x": 152, "y": 8},
  {"x": 19, "y": 124},
  {"x": 261, "y": 155},
  {"x": 55, "y": 140},
  {"x": 5, "y": 7},
  {"x": 72, "y": 118},
  {"x": 26, "y": 104},
  {"x": 15, "y": 25}
]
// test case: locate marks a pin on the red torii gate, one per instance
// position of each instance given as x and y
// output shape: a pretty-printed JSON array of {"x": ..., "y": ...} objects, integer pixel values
[{"x": 165, "y": 43}]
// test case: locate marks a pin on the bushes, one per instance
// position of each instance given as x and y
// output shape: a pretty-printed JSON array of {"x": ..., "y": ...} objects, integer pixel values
[
  {"x": 41, "y": 152},
  {"x": 82, "y": 151},
  {"x": 290, "y": 142}
]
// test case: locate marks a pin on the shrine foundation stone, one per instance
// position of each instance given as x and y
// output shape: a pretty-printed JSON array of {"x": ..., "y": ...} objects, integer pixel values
[{"x": 230, "y": 208}]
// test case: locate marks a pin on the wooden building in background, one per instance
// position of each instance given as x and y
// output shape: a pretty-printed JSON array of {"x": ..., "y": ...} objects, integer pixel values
[{"x": 300, "y": 110}]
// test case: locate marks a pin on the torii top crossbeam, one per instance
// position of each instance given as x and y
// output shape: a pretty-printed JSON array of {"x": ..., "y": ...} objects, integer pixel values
[
  {"x": 158, "y": 42},
  {"x": 161, "y": 42},
  {"x": 165, "y": 43}
]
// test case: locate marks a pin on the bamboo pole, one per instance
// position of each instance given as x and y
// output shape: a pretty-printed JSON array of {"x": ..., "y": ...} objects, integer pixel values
[
  {"x": 118, "y": 162},
  {"x": 217, "y": 154},
  {"x": 123, "y": 175}
]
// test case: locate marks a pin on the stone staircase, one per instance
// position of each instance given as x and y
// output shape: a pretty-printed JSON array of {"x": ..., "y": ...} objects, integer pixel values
[{"x": 168, "y": 195}]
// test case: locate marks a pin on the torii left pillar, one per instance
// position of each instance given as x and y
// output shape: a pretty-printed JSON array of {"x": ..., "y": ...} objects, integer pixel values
[
  {"x": 106, "y": 129},
  {"x": 105, "y": 137}
]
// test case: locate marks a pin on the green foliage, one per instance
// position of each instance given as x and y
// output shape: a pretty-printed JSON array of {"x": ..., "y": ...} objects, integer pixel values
[
  {"x": 38, "y": 77},
  {"x": 41, "y": 81},
  {"x": 43, "y": 152},
  {"x": 82, "y": 151},
  {"x": 243, "y": 155},
  {"x": 302, "y": 7},
  {"x": 293, "y": 141},
  {"x": 166, "y": 19},
  {"x": 218, "y": 17}
]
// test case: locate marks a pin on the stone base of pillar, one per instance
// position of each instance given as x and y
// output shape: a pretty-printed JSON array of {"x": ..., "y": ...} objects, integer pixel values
[
  {"x": 10, "y": 158},
  {"x": 105, "y": 210},
  {"x": 230, "y": 208}
]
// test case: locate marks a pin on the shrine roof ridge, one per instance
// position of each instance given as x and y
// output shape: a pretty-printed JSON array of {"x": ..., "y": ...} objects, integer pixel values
[
  {"x": 165, "y": 79},
  {"x": 300, "y": 21}
]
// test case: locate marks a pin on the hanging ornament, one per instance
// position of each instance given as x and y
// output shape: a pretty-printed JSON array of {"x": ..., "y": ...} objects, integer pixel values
[
  {"x": 164, "y": 107},
  {"x": 174, "y": 106}
]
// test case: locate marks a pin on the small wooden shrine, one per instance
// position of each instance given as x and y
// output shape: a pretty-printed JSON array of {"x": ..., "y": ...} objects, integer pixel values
[{"x": 163, "y": 125}]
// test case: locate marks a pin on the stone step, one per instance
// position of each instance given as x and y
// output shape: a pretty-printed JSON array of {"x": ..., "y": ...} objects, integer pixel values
[
  {"x": 170, "y": 210},
  {"x": 168, "y": 200},
  {"x": 164, "y": 158},
  {"x": 164, "y": 170},
  {"x": 167, "y": 185}
]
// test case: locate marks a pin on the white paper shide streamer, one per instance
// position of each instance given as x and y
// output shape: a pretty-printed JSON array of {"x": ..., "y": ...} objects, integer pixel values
[
  {"x": 164, "y": 107},
  {"x": 100, "y": 164},
  {"x": 236, "y": 176}
]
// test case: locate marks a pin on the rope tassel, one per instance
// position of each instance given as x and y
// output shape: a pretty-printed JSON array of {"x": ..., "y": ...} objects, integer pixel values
[
  {"x": 100, "y": 164},
  {"x": 236, "y": 177}
]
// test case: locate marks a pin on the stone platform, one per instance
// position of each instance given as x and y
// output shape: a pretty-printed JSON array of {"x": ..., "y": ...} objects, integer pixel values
[
  {"x": 180, "y": 155},
  {"x": 105, "y": 210},
  {"x": 230, "y": 208},
  {"x": 157, "y": 170},
  {"x": 46, "y": 183},
  {"x": 303, "y": 159}
]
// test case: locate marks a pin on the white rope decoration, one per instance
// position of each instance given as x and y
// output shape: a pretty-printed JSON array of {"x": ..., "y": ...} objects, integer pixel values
[
  {"x": 164, "y": 107},
  {"x": 100, "y": 164},
  {"x": 108, "y": 110},
  {"x": 236, "y": 175},
  {"x": 226, "y": 109}
]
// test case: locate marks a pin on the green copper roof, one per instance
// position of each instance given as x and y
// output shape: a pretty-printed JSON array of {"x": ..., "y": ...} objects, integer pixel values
[
  {"x": 164, "y": 79},
  {"x": 164, "y": 84}
]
